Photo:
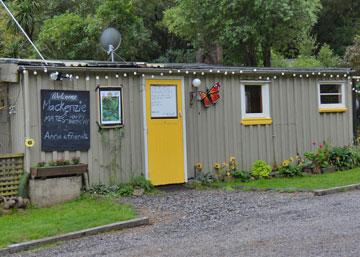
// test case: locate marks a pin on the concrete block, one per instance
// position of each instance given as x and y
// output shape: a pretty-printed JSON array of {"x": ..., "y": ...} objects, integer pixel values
[{"x": 51, "y": 191}]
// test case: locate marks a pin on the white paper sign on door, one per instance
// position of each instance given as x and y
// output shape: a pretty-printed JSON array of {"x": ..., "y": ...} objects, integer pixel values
[{"x": 163, "y": 101}]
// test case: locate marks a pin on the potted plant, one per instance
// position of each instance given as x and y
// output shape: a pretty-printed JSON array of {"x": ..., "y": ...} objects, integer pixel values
[{"x": 58, "y": 168}]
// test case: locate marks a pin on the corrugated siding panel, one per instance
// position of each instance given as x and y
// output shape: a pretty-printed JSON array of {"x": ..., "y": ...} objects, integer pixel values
[
  {"x": 5, "y": 146},
  {"x": 215, "y": 134},
  {"x": 113, "y": 157}
]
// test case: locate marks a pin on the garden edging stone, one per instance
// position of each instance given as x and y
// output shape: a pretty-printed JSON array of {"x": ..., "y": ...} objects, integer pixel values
[
  {"x": 334, "y": 190},
  {"x": 74, "y": 235}
]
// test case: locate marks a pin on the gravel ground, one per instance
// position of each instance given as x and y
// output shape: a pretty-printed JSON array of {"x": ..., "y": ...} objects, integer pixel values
[{"x": 230, "y": 223}]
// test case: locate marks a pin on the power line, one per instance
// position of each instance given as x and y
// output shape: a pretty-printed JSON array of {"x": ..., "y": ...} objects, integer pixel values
[{"x": 23, "y": 31}]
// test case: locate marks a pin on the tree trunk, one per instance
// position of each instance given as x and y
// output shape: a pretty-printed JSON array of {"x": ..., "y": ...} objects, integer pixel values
[
  {"x": 266, "y": 49},
  {"x": 250, "y": 55},
  {"x": 210, "y": 54}
]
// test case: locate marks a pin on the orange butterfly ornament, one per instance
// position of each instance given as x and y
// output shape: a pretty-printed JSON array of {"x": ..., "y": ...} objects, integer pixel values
[{"x": 210, "y": 96}]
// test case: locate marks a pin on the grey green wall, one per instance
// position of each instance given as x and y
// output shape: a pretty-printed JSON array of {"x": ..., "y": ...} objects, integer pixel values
[{"x": 213, "y": 134}]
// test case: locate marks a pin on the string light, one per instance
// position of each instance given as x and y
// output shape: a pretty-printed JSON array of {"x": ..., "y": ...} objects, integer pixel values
[
  {"x": 194, "y": 72},
  {"x": 187, "y": 72},
  {"x": 241, "y": 71},
  {"x": 255, "y": 70},
  {"x": 203, "y": 73},
  {"x": 77, "y": 77},
  {"x": 178, "y": 71},
  {"x": 218, "y": 71},
  {"x": 45, "y": 70},
  {"x": 117, "y": 76},
  {"x": 142, "y": 75},
  {"x": 210, "y": 71},
  {"x": 282, "y": 73},
  {"x": 87, "y": 78},
  {"x": 125, "y": 75},
  {"x": 97, "y": 77},
  {"x": 106, "y": 77},
  {"x": 161, "y": 74},
  {"x": 35, "y": 73},
  {"x": 135, "y": 73},
  {"x": 233, "y": 72},
  {"x": 301, "y": 75},
  {"x": 225, "y": 73},
  {"x": 170, "y": 71}
]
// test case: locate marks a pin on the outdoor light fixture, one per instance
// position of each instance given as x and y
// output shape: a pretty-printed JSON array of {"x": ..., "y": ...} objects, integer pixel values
[
  {"x": 59, "y": 76},
  {"x": 195, "y": 83}
]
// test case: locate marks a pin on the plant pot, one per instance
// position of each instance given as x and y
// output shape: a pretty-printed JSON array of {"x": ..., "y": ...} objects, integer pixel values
[
  {"x": 308, "y": 170},
  {"x": 58, "y": 171},
  {"x": 328, "y": 169}
]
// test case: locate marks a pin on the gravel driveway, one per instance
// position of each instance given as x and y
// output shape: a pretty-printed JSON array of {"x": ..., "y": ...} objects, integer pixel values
[{"x": 230, "y": 223}]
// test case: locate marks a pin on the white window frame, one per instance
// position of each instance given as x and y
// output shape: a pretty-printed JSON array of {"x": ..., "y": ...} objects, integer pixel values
[
  {"x": 332, "y": 106},
  {"x": 265, "y": 95}
]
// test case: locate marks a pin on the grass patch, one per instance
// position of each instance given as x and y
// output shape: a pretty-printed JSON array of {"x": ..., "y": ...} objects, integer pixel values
[
  {"x": 311, "y": 182},
  {"x": 85, "y": 212}
]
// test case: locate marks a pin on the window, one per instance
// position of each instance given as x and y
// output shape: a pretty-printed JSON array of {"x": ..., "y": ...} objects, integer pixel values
[
  {"x": 331, "y": 97},
  {"x": 255, "y": 103}
]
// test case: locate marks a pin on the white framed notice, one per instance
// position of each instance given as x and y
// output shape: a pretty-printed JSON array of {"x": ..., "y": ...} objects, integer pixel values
[{"x": 163, "y": 101}]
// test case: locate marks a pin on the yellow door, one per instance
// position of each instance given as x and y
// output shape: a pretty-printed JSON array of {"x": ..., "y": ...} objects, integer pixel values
[{"x": 165, "y": 131}]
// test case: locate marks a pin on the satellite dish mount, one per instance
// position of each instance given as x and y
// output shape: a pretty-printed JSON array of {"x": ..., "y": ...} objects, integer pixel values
[{"x": 110, "y": 41}]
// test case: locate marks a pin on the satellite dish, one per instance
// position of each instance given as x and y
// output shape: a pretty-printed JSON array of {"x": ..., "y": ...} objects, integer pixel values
[{"x": 110, "y": 40}]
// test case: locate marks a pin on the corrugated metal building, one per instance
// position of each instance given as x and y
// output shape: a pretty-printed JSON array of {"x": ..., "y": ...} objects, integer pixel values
[{"x": 263, "y": 113}]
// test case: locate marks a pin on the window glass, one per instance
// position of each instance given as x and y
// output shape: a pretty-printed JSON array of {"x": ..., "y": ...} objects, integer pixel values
[
  {"x": 330, "y": 94},
  {"x": 328, "y": 88},
  {"x": 330, "y": 99},
  {"x": 253, "y": 99}
]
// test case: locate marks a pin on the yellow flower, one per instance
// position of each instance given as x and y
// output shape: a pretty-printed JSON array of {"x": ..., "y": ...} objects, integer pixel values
[
  {"x": 199, "y": 166},
  {"x": 228, "y": 174},
  {"x": 291, "y": 159},
  {"x": 29, "y": 142},
  {"x": 217, "y": 165},
  {"x": 285, "y": 163},
  {"x": 232, "y": 159}
]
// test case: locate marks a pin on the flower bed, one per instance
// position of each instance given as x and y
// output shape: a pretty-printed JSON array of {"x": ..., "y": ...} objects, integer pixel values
[{"x": 324, "y": 158}]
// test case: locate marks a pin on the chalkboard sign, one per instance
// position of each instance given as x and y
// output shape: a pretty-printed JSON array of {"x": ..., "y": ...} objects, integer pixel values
[{"x": 65, "y": 120}]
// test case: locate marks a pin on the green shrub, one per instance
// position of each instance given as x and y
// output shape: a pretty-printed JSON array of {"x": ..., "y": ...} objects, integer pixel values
[
  {"x": 290, "y": 170},
  {"x": 142, "y": 182},
  {"x": 260, "y": 169},
  {"x": 23, "y": 189},
  {"x": 125, "y": 190},
  {"x": 205, "y": 178},
  {"x": 242, "y": 175},
  {"x": 342, "y": 158},
  {"x": 320, "y": 158}
]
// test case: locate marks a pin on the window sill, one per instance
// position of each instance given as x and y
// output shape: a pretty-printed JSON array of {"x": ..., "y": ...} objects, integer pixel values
[
  {"x": 341, "y": 109},
  {"x": 256, "y": 121}
]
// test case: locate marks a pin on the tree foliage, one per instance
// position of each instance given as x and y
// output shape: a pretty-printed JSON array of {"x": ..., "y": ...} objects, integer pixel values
[{"x": 288, "y": 33}]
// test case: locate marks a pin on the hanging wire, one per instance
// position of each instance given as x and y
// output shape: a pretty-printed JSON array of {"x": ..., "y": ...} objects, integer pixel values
[{"x": 23, "y": 31}]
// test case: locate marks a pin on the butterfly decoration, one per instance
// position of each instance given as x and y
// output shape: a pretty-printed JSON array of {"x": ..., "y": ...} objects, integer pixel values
[{"x": 210, "y": 96}]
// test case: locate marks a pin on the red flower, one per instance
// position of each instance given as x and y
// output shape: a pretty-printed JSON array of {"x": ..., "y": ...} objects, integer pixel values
[{"x": 321, "y": 145}]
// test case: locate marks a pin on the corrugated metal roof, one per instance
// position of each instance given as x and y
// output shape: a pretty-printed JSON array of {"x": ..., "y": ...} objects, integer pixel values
[{"x": 166, "y": 66}]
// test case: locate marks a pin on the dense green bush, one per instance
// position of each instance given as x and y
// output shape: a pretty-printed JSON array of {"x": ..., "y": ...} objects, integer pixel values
[
  {"x": 344, "y": 158},
  {"x": 290, "y": 170},
  {"x": 242, "y": 175},
  {"x": 126, "y": 189},
  {"x": 260, "y": 169}
]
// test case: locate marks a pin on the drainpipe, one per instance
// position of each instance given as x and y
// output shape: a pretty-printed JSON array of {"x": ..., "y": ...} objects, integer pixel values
[{"x": 26, "y": 118}]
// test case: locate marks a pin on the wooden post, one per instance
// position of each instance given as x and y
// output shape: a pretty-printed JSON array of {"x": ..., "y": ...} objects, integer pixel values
[{"x": 25, "y": 85}]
